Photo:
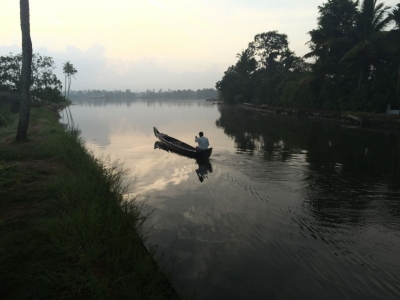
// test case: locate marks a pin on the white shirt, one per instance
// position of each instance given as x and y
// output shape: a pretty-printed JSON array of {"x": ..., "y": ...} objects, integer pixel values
[{"x": 203, "y": 142}]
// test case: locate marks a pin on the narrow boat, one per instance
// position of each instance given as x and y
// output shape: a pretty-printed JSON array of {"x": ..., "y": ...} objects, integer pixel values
[{"x": 181, "y": 147}]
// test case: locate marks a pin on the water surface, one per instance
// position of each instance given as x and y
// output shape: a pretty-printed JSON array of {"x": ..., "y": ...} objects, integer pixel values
[{"x": 286, "y": 208}]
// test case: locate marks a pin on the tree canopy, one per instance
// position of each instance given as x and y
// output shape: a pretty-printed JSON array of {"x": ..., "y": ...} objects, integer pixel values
[
  {"x": 43, "y": 82},
  {"x": 353, "y": 63}
]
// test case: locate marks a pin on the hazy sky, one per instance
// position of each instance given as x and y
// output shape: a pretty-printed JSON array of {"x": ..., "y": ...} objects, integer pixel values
[{"x": 146, "y": 44}]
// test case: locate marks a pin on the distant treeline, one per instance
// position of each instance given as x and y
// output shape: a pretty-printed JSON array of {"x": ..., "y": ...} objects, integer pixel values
[
  {"x": 149, "y": 94},
  {"x": 353, "y": 63}
]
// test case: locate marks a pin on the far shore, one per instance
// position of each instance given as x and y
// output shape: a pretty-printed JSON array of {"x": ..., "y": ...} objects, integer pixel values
[{"x": 379, "y": 121}]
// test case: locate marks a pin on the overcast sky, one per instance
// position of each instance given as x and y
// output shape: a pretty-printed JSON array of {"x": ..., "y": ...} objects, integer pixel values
[{"x": 153, "y": 44}]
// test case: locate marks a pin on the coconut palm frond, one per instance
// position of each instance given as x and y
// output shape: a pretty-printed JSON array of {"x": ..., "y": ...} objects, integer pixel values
[
  {"x": 378, "y": 36},
  {"x": 356, "y": 50},
  {"x": 395, "y": 16},
  {"x": 378, "y": 26},
  {"x": 310, "y": 54},
  {"x": 306, "y": 81},
  {"x": 388, "y": 46},
  {"x": 341, "y": 40}
]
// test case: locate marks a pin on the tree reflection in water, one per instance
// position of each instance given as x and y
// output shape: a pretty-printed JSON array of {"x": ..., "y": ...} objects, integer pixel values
[
  {"x": 348, "y": 171},
  {"x": 204, "y": 165}
]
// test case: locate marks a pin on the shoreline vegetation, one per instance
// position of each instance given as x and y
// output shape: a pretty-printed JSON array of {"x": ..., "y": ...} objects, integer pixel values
[
  {"x": 66, "y": 230},
  {"x": 378, "y": 121},
  {"x": 353, "y": 63}
]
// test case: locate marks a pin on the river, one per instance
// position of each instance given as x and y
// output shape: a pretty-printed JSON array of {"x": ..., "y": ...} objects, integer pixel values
[{"x": 286, "y": 208}]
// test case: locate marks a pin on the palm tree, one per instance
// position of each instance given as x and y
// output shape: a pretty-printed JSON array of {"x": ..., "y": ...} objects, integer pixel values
[
  {"x": 246, "y": 64},
  {"x": 26, "y": 71},
  {"x": 69, "y": 71},
  {"x": 65, "y": 70},
  {"x": 367, "y": 34},
  {"x": 330, "y": 40},
  {"x": 395, "y": 17},
  {"x": 72, "y": 72}
]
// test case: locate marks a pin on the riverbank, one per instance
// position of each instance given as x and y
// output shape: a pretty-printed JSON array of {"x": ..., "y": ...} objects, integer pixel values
[
  {"x": 361, "y": 119},
  {"x": 65, "y": 229}
]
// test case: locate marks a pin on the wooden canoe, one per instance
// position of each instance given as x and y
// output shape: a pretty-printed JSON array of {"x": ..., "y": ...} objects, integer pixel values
[{"x": 181, "y": 147}]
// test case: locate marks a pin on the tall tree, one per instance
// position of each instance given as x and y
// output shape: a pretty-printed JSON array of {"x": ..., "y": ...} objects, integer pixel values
[
  {"x": 330, "y": 40},
  {"x": 229, "y": 86},
  {"x": 367, "y": 34},
  {"x": 395, "y": 17},
  {"x": 26, "y": 71},
  {"x": 246, "y": 64},
  {"x": 329, "y": 43},
  {"x": 69, "y": 72},
  {"x": 65, "y": 71},
  {"x": 269, "y": 47}
]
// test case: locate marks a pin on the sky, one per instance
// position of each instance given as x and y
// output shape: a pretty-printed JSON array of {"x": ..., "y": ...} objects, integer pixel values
[{"x": 153, "y": 44}]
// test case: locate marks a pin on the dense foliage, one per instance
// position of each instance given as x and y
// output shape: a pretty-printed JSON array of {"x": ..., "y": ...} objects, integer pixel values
[
  {"x": 355, "y": 63},
  {"x": 44, "y": 83}
]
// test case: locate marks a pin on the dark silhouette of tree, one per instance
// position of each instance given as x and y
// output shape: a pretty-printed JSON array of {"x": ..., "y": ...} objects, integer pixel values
[
  {"x": 395, "y": 17},
  {"x": 10, "y": 71},
  {"x": 42, "y": 72},
  {"x": 367, "y": 34},
  {"x": 269, "y": 47},
  {"x": 26, "y": 71},
  {"x": 356, "y": 63},
  {"x": 329, "y": 43},
  {"x": 247, "y": 64},
  {"x": 69, "y": 72},
  {"x": 259, "y": 70},
  {"x": 44, "y": 83},
  {"x": 335, "y": 23}
]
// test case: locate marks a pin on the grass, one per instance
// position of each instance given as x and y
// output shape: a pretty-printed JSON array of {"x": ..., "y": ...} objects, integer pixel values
[
  {"x": 6, "y": 117},
  {"x": 66, "y": 232}
]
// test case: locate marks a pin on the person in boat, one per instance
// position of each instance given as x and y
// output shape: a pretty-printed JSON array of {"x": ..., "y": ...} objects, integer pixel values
[{"x": 202, "y": 141}]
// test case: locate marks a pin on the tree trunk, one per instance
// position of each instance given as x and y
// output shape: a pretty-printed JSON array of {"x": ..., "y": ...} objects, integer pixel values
[
  {"x": 363, "y": 72},
  {"x": 361, "y": 76},
  {"x": 69, "y": 85},
  {"x": 398, "y": 86},
  {"x": 65, "y": 86},
  {"x": 26, "y": 71},
  {"x": 359, "y": 79}
]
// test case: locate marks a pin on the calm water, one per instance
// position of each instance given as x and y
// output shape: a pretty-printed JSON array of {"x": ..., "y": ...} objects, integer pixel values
[{"x": 286, "y": 209}]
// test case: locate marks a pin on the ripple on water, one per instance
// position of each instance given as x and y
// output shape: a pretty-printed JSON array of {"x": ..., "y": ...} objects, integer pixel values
[
  {"x": 260, "y": 169},
  {"x": 287, "y": 216}
]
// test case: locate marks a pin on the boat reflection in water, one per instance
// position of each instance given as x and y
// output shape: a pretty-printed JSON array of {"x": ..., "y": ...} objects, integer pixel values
[
  {"x": 204, "y": 168},
  {"x": 204, "y": 165}
]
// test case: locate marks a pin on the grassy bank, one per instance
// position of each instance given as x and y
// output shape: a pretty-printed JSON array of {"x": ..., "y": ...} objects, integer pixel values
[{"x": 65, "y": 230}]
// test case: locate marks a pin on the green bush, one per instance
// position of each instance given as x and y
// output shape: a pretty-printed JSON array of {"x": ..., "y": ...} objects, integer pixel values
[{"x": 49, "y": 95}]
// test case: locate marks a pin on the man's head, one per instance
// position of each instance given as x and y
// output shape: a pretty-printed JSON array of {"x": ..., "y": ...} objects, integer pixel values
[{"x": 200, "y": 133}]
